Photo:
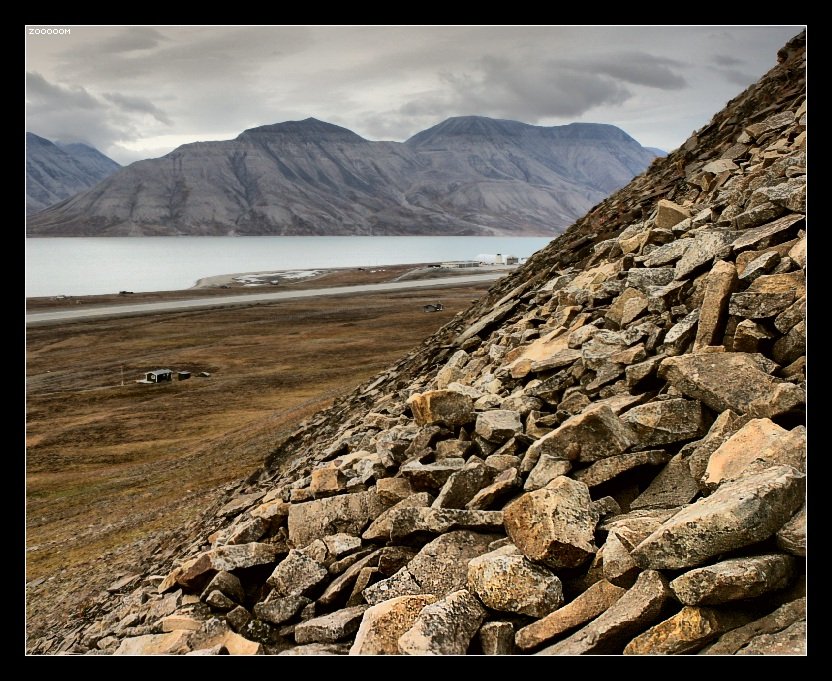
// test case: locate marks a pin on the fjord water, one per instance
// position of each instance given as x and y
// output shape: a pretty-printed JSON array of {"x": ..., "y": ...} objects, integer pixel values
[{"x": 90, "y": 266}]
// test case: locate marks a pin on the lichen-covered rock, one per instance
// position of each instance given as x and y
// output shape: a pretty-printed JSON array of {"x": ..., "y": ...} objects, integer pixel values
[
  {"x": 686, "y": 632},
  {"x": 512, "y": 583},
  {"x": 383, "y": 624},
  {"x": 666, "y": 421},
  {"x": 445, "y": 407},
  {"x": 349, "y": 513},
  {"x": 330, "y": 628},
  {"x": 445, "y": 627}
]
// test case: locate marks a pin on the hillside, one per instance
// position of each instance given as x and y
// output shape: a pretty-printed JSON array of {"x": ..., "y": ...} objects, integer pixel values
[
  {"x": 605, "y": 454},
  {"x": 465, "y": 176},
  {"x": 55, "y": 172}
]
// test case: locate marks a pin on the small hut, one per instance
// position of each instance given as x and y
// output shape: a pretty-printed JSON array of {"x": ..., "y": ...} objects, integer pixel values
[{"x": 159, "y": 376}]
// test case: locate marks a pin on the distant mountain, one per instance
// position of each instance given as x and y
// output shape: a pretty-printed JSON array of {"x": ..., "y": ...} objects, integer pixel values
[
  {"x": 661, "y": 153},
  {"x": 466, "y": 175},
  {"x": 55, "y": 171}
]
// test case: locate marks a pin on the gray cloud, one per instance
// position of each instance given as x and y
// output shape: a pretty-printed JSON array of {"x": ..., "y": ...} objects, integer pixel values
[
  {"x": 638, "y": 68},
  {"x": 725, "y": 60},
  {"x": 140, "y": 105},
  {"x": 734, "y": 76}
]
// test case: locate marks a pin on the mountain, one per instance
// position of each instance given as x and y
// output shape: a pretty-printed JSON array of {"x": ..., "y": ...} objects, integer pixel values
[
  {"x": 56, "y": 171},
  {"x": 605, "y": 454},
  {"x": 467, "y": 175}
]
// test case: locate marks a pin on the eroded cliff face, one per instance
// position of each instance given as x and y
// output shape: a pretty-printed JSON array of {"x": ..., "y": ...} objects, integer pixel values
[{"x": 606, "y": 454}]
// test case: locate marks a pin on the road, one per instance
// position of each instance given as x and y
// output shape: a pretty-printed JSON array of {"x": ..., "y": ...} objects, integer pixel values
[{"x": 250, "y": 298}]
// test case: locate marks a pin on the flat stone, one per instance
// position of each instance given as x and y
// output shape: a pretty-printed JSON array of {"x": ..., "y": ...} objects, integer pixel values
[
  {"x": 798, "y": 252},
  {"x": 791, "y": 346},
  {"x": 762, "y": 630},
  {"x": 280, "y": 609},
  {"x": 297, "y": 575},
  {"x": 316, "y": 649},
  {"x": 636, "y": 373},
  {"x": 687, "y": 631},
  {"x": 792, "y": 536},
  {"x": 749, "y": 336},
  {"x": 241, "y": 503},
  {"x": 673, "y": 486},
  {"x": 791, "y": 316},
  {"x": 759, "y": 444},
  {"x": 667, "y": 421},
  {"x": 455, "y": 449},
  {"x": 734, "y": 579},
  {"x": 341, "y": 586},
  {"x": 608, "y": 469},
  {"x": 737, "y": 514},
  {"x": 445, "y": 627},
  {"x": 667, "y": 254},
  {"x": 645, "y": 278},
  {"x": 627, "y": 307},
  {"x": 789, "y": 641},
  {"x": 681, "y": 334},
  {"x": 731, "y": 380},
  {"x": 330, "y": 628},
  {"x": 669, "y": 213},
  {"x": 463, "y": 485},
  {"x": 155, "y": 644},
  {"x": 399, "y": 584},
  {"x": 497, "y": 638},
  {"x": 225, "y": 558},
  {"x": 560, "y": 359},
  {"x": 768, "y": 234},
  {"x": 453, "y": 369},
  {"x": 512, "y": 583},
  {"x": 505, "y": 484},
  {"x": 585, "y": 607},
  {"x": 554, "y": 526},
  {"x": 759, "y": 305},
  {"x": 720, "y": 282},
  {"x": 228, "y": 584},
  {"x": 380, "y": 528},
  {"x": 431, "y": 476},
  {"x": 758, "y": 215},
  {"x": 348, "y": 513},
  {"x": 484, "y": 322},
  {"x": 707, "y": 245},
  {"x": 327, "y": 480},
  {"x": 383, "y": 624},
  {"x": 595, "y": 433},
  {"x": 445, "y": 407},
  {"x": 179, "y": 622},
  {"x": 762, "y": 264},
  {"x": 545, "y": 470},
  {"x": 275, "y": 511},
  {"x": 409, "y": 521},
  {"x": 636, "y": 610},
  {"x": 498, "y": 425}
]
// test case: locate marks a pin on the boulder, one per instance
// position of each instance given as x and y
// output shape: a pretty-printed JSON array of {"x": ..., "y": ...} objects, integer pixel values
[
  {"x": 330, "y": 628},
  {"x": 666, "y": 421},
  {"x": 408, "y": 521},
  {"x": 382, "y": 624},
  {"x": 792, "y": 536},
  {"x": 497, "y": 638},
  {"x": 297, "y": 575},
  {"x": 349, "y": 513},
  {"x": 721, "y": 281},
  {"x": 782, "y": 631},
  {"x": 687, "y": 631},
  {"x": 442, "y": 407},
  {"x": 445, "y": 627}
]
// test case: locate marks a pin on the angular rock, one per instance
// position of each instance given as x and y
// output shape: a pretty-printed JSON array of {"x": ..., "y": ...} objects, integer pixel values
[
  {"x": 734, "y": 579},
  {"x": 798, "y": 252},
  {"x": 607, "y": 469},
  {"x": 445, "y": 627},
  {"x": 791, "y": 346},
  {"x": 792, "y": 536},
  {"x": 680, "y": 335},
  {"x": 512, "y": 583},
  {"x": 686, "y": 632},
  {"x": 739, "y": 513},
  {"x": 788, "y": 641},
  {"x": 731, "y": 380},
  {"x": 280, "y": 609},
  {"x": 769, "y": 234},
  {"x": 758, "y": 215},
  {"x": 759, "y": 444},
  {"x": 225, "y": 558},
  {"x": 545, "y": 470},
  {"x": 763, "y": 631},
  {"x": 463, "y": 485},
  {"x": 400, "y": 584},
  {"x": 721, "y": 281},
  {"x": 673, "y": 486},
  {"x": 238, "y": 618},
  {"x": 348, "y": 513},
  {"x": 759, "y": 305},
  {"x": 629, "y": 306},
  {"x": 554, "y": 526},
  {"x": 585, "y": 607},
  {"x": 409, "y": 521},
  {"x": 666, "y": 421},
  {"x": 316, "y": 649},
  {"x": 593, "y": 434},
  {"x": 226, "y": 583},
  {"x": 505, "y": 484},
  {"x": 155, "y": 644},
  {"x": 762, "y": 264},
  {"x": 445, "y": 407},
  {"x": 498, "y": 425},
  {"x": 707, "y": 245},
  {"x": 453, "y": 369},
  {"x": 642, "y": 371},
  {"x": 275, "y": 511},
  {"x": 646, "y": 278},
  {"x": 431, "y": 476},
  {"x": 667, "y": 254},
  {"x": 637, "y": 609},
  {"x": 240, "y": 503},
  {"x": 179, "y": 622},
  {"x": 380, "y": 528},
  {"x": 791, "y": 316},
  {"x": 383, "y": 624},
  {"x": 342, "y": 585},
  {"x": 215, "y": 632},
  {"x": 339, "y": 545},
  {"x": 669, "y": 214},
  {"x": 218, "y": 600},
  {"x": 330, "y": 628},
  {"x": 619, "y": 568},
  {"x": 297, "y": 575},
  {"x": 497, "y": 638},
  {"x": 749, "y": 336}
]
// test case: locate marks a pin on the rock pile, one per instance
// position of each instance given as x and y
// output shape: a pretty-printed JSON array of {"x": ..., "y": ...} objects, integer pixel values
[{"x": 606, "y": 455}]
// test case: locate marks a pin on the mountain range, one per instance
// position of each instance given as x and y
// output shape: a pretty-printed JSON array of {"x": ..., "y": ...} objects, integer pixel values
[
  {"x": 56, "y": 171},
  {"x": 468, "y": 175}
]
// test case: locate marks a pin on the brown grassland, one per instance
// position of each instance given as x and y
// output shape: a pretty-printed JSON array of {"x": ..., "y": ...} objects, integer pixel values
[{"x": 113, "y": 469}]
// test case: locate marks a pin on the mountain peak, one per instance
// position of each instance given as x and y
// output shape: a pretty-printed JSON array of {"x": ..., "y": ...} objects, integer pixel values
[{"x": 308, "y": 129}]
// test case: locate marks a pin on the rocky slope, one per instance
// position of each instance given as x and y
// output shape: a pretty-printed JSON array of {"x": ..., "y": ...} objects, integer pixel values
[
  {"x": 55, "y": 172},
  {"x": 468, "y": 175},
  {"x": 604, "y": 455}
]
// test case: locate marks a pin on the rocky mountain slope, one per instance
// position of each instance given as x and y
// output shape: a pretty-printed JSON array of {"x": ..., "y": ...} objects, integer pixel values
[
  {"x": 606, "y": 454},
  {"x": 55, "y": 172},
  {"x": 468, "y": 175}
]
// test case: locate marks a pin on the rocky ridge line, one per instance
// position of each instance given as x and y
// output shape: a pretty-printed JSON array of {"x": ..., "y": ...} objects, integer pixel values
[{"x": 605, "y": 455}]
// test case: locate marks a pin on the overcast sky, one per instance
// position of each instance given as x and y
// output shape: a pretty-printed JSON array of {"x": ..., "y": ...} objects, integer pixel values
[{"x": 138, "y": 92}]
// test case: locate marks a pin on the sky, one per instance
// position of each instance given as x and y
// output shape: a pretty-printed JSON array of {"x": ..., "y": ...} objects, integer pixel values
[{"x": 137, "y": 92}]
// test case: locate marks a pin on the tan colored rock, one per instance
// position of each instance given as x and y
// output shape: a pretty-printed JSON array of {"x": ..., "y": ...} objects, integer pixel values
[
  {"x": 686, "y": 632},
  {"x": 720, "y": 283},
  {"x": 225, "y": 558},
  {"x": 463, "y": 485},
  {"x": 380, "y": 528},
  {"x": 554, "y": 526},
  {"x": 280, "y": 609},
  {"x": 173, "y": 643},
  {"x": 545, "y": 470},
  {"x": 431, "y": 476},
  {"x": 762, "y": 631},
  {"x": 627, "y": 307},
  {"x": 608, "y": 469},
  {"x": 393, "y": 490},
  {"x": 673, "y": 486},
  {"x": 585, "y": 607},
  {"x": 297, "y": 575},
  {"x": 444, "y": 407},
  {"x": 792, "y": 536},
  {"x": 731, "y": 380},
  {"x": 636, "y": 610},
  {"x": 349, "y": 513},
  {"x": 408, "y": 521},
  {"x": 179, "y": 622},
  {"x": 327, "y": 480},
  {"x": 759, "y": 444},
  {"x": 798, "y": 252},
  {"x": 330, "y": 628},
  {"x": 664, "y": 422},
  {"x": 669, "y": 213},
  {"x": 734, "y": 579},
  {"x": 383, "y": 624},
  {"x": 593, "y": 434},
  {"x": 445, "y": 627},
  {"x": 512, "y": 583},
  {"x": 275, "y": 511},
  {"x": 707, "y": 245},
  {"x": 741, "y": 512},
  {"x": 504, "y": 485},
  {"x": 749, "y": 336}
]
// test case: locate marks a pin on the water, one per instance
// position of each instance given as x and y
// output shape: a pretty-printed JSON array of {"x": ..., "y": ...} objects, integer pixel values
[{"x": 95, "y": 265}]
